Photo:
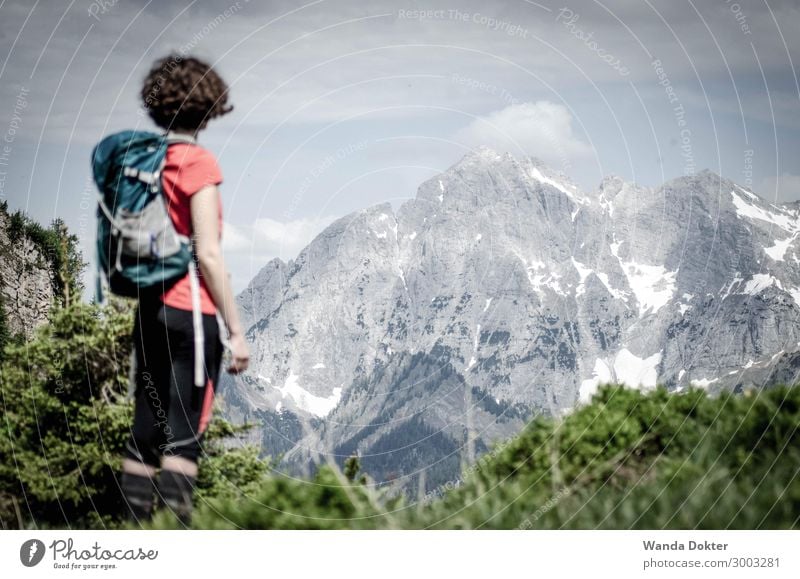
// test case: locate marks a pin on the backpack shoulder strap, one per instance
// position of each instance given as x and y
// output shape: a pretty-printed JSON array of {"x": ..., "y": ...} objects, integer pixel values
[{"x": 171, "y": 137}]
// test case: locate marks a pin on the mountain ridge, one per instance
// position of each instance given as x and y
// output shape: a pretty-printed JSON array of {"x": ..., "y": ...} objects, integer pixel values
[{"x": 524, "y": 292}]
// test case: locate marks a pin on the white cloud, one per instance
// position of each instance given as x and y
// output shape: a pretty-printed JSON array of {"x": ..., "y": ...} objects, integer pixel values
[
  {"x": 269, "y": 238},
  {"x": 784, "y": 187},
  {"x": 542, "y": 129},
  {"x": 249, "y": 247}
]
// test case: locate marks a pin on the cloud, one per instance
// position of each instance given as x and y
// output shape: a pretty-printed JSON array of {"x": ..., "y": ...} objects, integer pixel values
[
  {"x": 784, "y": 187},
  {"x": 248, "y": 248},
  {"x": 271, "y": 238},
  {"x": 327, "y": 61},
  {"x": 542, "y": 129}
]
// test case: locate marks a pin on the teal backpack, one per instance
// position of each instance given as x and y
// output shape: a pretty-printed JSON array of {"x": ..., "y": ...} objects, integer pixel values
[{"x": 139, "y": 252}]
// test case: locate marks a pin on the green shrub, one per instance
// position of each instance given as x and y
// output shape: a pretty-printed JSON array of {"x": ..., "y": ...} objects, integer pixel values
[
  {"x": 627, "y": 460},
  {"x": 66, "y": 419},
  {"x": 634, "y": 460}
]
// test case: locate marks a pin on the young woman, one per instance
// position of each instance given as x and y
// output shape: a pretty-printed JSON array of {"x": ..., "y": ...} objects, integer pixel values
[{"x": 171, "y": 414}]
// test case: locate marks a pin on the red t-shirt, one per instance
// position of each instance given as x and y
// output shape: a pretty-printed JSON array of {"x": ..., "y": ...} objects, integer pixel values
[{"x": 187, "y": 169}]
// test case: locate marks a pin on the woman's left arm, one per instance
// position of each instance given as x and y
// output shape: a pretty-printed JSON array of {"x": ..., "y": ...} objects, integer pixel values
[{"x": 205, "y": 224}]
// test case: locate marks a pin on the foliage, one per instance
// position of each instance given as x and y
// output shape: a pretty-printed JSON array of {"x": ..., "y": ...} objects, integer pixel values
[
  {"x": 634, "y": 460},
  {"x": 66, "y": 419},
  {"x": 351, "y": 467},
  {"x": 59, "y": 254},
  {"x": 327, "y": 501},
  {"x": 5, "y": 334},
  {"x": 626, "y": 460},
  {"x": 227, "y": 470},
  {"x": 59, "y": 249}
]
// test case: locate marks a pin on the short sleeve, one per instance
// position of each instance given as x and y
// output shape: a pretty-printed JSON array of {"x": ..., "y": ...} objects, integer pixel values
[{"x": 198, "y": 168}]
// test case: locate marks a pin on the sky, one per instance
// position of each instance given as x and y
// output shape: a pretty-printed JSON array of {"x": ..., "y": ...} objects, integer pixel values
[{"x": 340, "y": 104}]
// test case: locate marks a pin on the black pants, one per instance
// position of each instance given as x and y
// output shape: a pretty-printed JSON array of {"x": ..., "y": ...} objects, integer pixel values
[{"x": 171, "y": 413}]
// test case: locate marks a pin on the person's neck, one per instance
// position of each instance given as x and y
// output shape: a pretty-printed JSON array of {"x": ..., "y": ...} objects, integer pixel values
[
  {"x": 190, "y": 136},
  {"x": 185, "y": 132}
]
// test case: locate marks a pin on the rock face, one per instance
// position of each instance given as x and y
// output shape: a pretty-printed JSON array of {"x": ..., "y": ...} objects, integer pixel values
[
  {"x": 25, "y": 282},
  {"x": 502, "y": 291}
]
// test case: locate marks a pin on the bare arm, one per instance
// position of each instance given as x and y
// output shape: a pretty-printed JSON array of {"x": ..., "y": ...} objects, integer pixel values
[{"x": 205, "y": 224}]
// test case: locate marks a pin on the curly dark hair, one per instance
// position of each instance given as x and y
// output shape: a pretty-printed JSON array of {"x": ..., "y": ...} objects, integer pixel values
[{"x": 184, "y": 93}]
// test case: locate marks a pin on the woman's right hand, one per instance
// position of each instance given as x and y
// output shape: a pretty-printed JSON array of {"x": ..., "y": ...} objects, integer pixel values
[{"x": 240, "y": 354}]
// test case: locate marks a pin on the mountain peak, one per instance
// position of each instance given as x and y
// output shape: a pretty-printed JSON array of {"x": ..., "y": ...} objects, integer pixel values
[
  {"x": 527, "y": 171},
  {"x": 483, "y": 153},
  {"x": 499, "y": 277}
]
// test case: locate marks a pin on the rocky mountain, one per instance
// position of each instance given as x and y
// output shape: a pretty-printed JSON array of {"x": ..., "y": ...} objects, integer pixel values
[
  {"x": 26, "y": 279},
  {"x": 503, "y": 291}
]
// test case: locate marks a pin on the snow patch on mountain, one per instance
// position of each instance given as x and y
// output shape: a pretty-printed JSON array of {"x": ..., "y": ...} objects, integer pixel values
[
  {"x": 704, "y": 382},
  {"x": 779, "y": 217},
  {"x": 600, "y": 375},
  {"x": 635, "y": 371},
  {"x": 778, "y": 250},
  {"x": 653, "y": 285},
  {"x": 538, "y": 176},
  {"x": 317, "y": 405},
  {"x": 583, "y": 272},
  {"x": 542, "y": 281},
  {"x": 627, "y": 369},
  {"x": 473, "y": 359},
  {"x": 759, "y": 282}
]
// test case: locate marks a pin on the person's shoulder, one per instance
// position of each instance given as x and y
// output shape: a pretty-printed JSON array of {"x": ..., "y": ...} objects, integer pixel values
[
  {"x": 193, "y": 167},
  {"x": 192, "y": 153}
]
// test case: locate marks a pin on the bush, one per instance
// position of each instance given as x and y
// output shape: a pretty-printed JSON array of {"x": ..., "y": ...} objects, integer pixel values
[
  {"x": 327, "y": 501},
  {"x": 66, "y": 419},
  {"x": 634, "y": 460},
  {"x": 627, "y": 460}
]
